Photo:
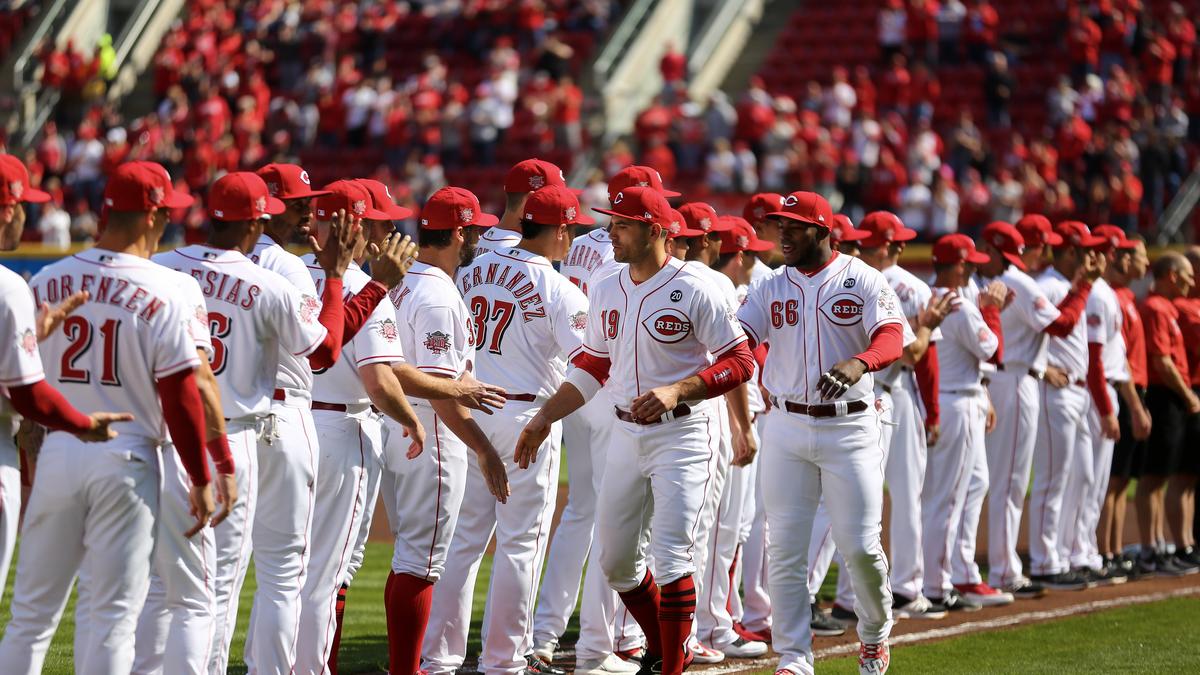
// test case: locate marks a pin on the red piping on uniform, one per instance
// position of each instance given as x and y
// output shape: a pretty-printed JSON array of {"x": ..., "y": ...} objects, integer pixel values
[{"x": 437, "y": 441}]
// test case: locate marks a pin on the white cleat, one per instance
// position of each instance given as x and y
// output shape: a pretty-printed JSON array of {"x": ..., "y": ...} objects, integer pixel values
[
  {"x": 874, "y": 659},
  {"x": 609, "y": 665},
  {"x": 745, "y": 649},
  {"x": 545, "y": 650}
]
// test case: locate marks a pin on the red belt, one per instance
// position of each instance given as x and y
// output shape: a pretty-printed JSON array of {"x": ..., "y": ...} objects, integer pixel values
[
  {"x": 334, "y": 407},
  {"x": 279, "y": 395},
  {"x": 681, "y": 410},
  {"x": 527, "y": 398},
  {"x": 823, "y": 409},
  {"x": 1079, "y": 383}
]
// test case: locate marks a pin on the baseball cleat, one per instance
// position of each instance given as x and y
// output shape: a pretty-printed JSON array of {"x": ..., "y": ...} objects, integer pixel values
[
  {"x": 742, "y": 648},
  {"x": 874, "y": 659},
  {"x": 1063, "y": 581},
  {"x": 541, "y": 667},
  {"x": 1115, "y": 570},
  {"x": 609, "y": 665},
  {"x": 637, "y": 654},
  {"x": 842, "y": 614},
  {"x": 705, "y": 654},
  {"x": 545, "y": 650},
  {"x": 763, "y": 635},
  {"x": 1025, "y": 589},
  {"x": 916, "y": 608},
  {"x": 956, "y": 602},
  {"x": 825, "y": 626},
  {"x": 688, "y": 659},
  {"x": 1185, "y": 564},
  {"x": 1191, "y": 554},
  {"x": 985, "y": 595}
]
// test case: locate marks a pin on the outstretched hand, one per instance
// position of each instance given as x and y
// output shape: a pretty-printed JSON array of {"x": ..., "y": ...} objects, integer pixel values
[
  {"x": 51, "y": 317},
  {"x": 338, "y": 252}
]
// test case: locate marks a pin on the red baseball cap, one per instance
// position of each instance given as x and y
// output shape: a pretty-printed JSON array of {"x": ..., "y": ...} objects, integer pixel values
[
  {"x": 741, "y": 237},
  {"x": 288, "y": 181},
  {"x": 760, "y": 205},
  {"x": 1036, "y": 230},
  {"x": 242, "y": 195},
  {"x": 883, "y": 228},
  {"x": 554, "y": 205},
  {"x": 956, "y": 248},
  {"x": 14, "y": 183},
  {"x": 349, "y": 195},
  {"x": 1075, "y": 233},
  {"x": 678, "y": 227},
  {"x": 453, "y": 207},
  {"x": 1005, "y": 237},
  {"x": 141, "y": 186},
  {"x": 637, "y": 176},
  {"x": 643, "y": 204},
  {"x": 702, "y": 217},
  {"x": 381, "y": 199},
  {"x": 1115, "y": 236},
  {"x": 844, "y": 230},
  {"x": 533, "y": 174},
  {"x": 806, "y": 207}
]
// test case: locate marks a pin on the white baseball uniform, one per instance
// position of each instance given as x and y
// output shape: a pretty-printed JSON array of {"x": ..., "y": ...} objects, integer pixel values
[
  {"x": 93, "y": 507},
  {"x": 496, "y": 239},
  {"x": 350, "y": 438},
  {"x": 760, "y": 270},
  {"x": 528, "y": 321},
  {"x": 1063, "y": 454},
  {"x": 967, "y": 342},
  {"x": 20, "y": 364},
  {"x": 586, "y": 434},
  {"x": 1104, "y": 328},
  {"x": 425, "y": 493},
  {"x": 811, "y": 322},
  {"x": 287, "y": 469},
  {"x": 1010, "y": 445}
]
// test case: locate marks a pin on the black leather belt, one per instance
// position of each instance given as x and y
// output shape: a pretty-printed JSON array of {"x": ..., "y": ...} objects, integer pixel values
[
  {"x": 681, "y": 410},
  {"x": 823, "y": 409},
  {"x": 886, "y": 388},
  {"x": 527, "y": 398}
]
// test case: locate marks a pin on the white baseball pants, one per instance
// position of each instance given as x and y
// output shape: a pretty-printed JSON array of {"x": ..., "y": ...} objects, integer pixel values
[
  {"x": 840, "y": 459},
  {"x": 1074, "y": 539},
  {"x": 374, "y": 482},
  {"x": 1010, "y": 457},
  {"x": 749, "y": 507},
  {"x": 281, "y": 534},
  {"x": 947, "y": 478},
  {"x": 714, "y": 614},
  {"x": 425, "y": 496},
  {"x": 657, "y": 480},
  {"x": 1086, "y": 552},
  {"x": 178, "y": 625},
  {"x": 10, "y": 496},
  {"x": 716, "y": 544},
  {"x": 348, "y": 442},
  {"x": 522, "y": 530},
  {"x": 905, "y": 475},
  {"x": 756, "y": 600},
  {"x": 1062, "y": 436},
  {"x": 93, "y": 508},
  {"x": 963, "y": 568}
]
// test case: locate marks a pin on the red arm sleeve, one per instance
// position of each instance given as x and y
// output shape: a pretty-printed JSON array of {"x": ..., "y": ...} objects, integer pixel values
[
  {"x": 1070, "y": 309},
  {"x": 928, "y": 380},
  {"x": 45, "y": 405},
  {"x": 991, "y": 316},
  {"x": 760, "y": 355},
  {"x": 595, "y": 366},
  {"x": 359, "y": 308},
  {"x": 184, "y": 413},
  {"x": 887, "y": 345},
  {"x": 1097, "y": 380},
  {"x": 734, "y": 367},
  {"x": 326, "y": 354},
  {"x": 218, "y": 449}
]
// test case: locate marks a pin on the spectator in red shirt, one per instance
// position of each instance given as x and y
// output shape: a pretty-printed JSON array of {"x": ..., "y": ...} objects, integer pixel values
[
  {"x": 1126, "y": 190},
  {"x": 865, "y": 91},
  {"x": 1158, "y": 63},
  {"x": 1182, "y": 34},
  {"x": 922, "y": 26},
  {"x": 568, "y": 114},
  {"x": 896, "y": 87},
  {"x": 1083, "y": 46},
  {"x": 886, "y": 179},
  {"x": 927, "y": 90},
  {"x": 1173, "y": 406},
  {"x": 673, "y": 66},
  {"x": 980, "y": 32}
]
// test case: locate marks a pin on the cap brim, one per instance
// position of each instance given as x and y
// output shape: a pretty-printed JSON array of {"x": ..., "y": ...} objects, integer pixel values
[
  {"x": 670, "y": 193},
  {"x": 856, "y": 235},
  {"x": 904, "y": 234},
  {"x": 485, "y": 220},
  {"x": 1093, "y": 242},
  {"x": 616, "y": 214},
  {"x": 581, "y": 219},
  {"x": 760, "y": 245},
  {"x": 1015, "y": 260},
  {"x": 688, "y": 233},
  {"x": 978, "y": 258},
  {"x": 35, "y": 196},
  {"x": 397, "y": 212},
  {"x": 719, "y": 227},
  {"x": 275, "y": 206},
  {"x": 792, "y": 216},
  {"x": 1052, "y": 239},
  {"x": 178, "y": 200}
]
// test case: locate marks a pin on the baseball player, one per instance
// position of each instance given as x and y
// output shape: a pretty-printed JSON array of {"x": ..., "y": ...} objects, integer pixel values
[
  {"x": 522, "y": 180},
  {"x": 23, "y": 388},
  {"x": 1040, "y": 238},
  {"x": 755, "y": 212},
  {"x": 1172, "y": 404},
  {"x": 423, "y": 492},
  {"x": 1062, "y": 461},
  {"x": 1127, "y": 265},
  {"x": 844, "y": 237},
  {"x": 95, "y": 508},
  {"x": 1107, "y": 369},
  {"x": 528, "y": 320},
  {"x": 905, "y": 389},
  {"x": 825, "y": 441},
  {"x": 1026, "y": 322},
  {"x": 1189, "y": 323},
  {"x": 971, "y": 336},
  {"x": 667, "y": 429},
  {"x": 350, "y": 435}
]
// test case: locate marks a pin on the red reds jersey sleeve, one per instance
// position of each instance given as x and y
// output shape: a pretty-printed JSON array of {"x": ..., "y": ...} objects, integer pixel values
[{"x": 20, "y": 361}]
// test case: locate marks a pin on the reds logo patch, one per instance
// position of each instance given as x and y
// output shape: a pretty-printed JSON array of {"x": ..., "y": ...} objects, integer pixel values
[
  {"x": 1041, "y": 303},
  {"x": 16, "y": 188},
  {"x": 260, "y": 205},
  {"x": 571, "y": 214},
  {"x": 984, "y": 335},
  {"x": 437, "y": 342},
  {"x": 304, "y": 178},
  {"x": 579, "y": 320},
  {"x": 1093, "y": 320},
  {"x": 28, "y": 342},
  {"x": 536, "y": 182},
  {"x": 668, "y": 325},
  {"x": 310, "y": 307},
  {"x": 359, "y": 207},
  {"x": 156, "y": 195},
  {"x": 387, "y": 330},
  {"x": 844, "y": 309}
]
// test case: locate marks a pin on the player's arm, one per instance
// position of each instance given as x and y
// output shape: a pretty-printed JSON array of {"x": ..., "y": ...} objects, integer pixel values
[
  {"x": 1097, "y": 384},
  {"x": 924, "y": 324},
  {"x": 184, "y": 415},
  {"x": 731, "y": 369},
  {"x": 744, "y": 446},
  {"x": 387, "y": 394},
  {"x": 885, "y": 346},
  {"x": 458, "y": 419},
  {"x": 1073, "y": 306},
  {"x": 42, "y": 403},
  {"x": 466, "y": 390},
  {"x": 584, "y": 380},
  {"x": 389, "y": 263},
  {"x": 217, "y": 442}
]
